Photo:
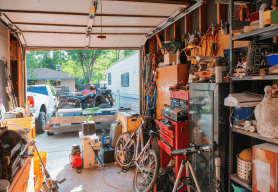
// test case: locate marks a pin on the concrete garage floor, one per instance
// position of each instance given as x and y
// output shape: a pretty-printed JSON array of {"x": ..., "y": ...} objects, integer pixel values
[{"x": 58, "y": 148}]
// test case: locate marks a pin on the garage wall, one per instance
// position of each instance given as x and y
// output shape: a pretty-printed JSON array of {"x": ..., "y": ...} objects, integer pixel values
[{"x": 3, "y": 56}]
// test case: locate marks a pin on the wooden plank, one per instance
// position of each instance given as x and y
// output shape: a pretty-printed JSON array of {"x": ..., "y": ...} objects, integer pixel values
[
  {"x": 255, "y": 135},
  {"x": 79, "y": 119},
  {"x": 45, "y": 48},
  {"x": 25, "y": 81},
  {"x": 274, "y": 2},
  {"x": 19, "y": 180},
  {"x": 78, "y": 14},
  {"x": 9, "y": 59},
  {"x": 240, "y": 181},
  {"x": 221, "y": 9},
  {"x": 202, "y": 18},
  {"x": 167, "y": 36},
  {"x": 155, "y": 1},
  {"x": 19, "y": 76},
  {"x": 78, "y": 33},
  {"x": 94, "y": 26},
  {"x": 151, "y": 43},
  {"x": 159, "y": 44},
  {"x": 140, "y": 81}
]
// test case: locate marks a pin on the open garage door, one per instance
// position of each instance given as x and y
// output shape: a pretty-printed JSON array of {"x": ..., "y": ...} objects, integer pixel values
[{"x": 71, "y": 24}]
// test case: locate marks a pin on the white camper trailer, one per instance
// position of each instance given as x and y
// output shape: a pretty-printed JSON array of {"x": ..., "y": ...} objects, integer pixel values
[{"x": 123, "y": 80}]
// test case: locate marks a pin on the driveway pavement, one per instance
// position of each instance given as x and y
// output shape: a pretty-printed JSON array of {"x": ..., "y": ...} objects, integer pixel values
[{"x": 58, "y": 148}]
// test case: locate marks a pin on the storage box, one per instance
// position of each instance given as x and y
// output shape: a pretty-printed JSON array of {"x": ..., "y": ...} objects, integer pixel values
[
  {"x": 106, "y": 154},
  {"x": 267, "y": 20},
  {"x": 169, "y": 58},
  {"x": 265, "y": 168},
  {"x": 130, "y": 121},
  {"x": 274, "y": 17}
]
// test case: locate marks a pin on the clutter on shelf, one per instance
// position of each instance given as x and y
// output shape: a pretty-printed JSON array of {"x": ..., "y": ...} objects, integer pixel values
[
  {"x": 266, "y": 113},
  {"x": 244, "y": 164}
]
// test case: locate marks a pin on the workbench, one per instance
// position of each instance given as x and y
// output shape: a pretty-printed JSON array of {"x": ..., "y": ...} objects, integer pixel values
[
  {"x": 24, "y": 180},
  {"x": 28, "y": 123}
]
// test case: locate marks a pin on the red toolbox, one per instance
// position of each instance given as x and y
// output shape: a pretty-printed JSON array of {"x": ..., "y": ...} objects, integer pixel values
[
  {"x": 176, "y": 135},
  {"x": 180, "y": 94}
]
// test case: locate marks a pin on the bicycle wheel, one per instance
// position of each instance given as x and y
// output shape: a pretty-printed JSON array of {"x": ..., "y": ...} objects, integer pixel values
[
  {"x": 144, "y": 179},
  {"x": 124, "y": 157}
]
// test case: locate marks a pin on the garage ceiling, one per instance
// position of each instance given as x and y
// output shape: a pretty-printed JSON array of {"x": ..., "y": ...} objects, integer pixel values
[{"x": 63, "y": 23}]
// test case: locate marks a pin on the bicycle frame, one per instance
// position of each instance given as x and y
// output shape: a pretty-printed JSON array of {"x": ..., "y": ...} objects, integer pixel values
[{"x": 139, "y": 140}]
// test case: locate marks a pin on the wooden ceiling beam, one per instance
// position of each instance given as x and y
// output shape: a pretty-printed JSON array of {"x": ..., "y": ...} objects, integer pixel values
[
  {"x": 94, "y": 26},
  {"x": 78, "y": 33},
  {"x": 173, "y": 2},
  {"x": 78, "y": 14},
  {"x": 44, "y": 48}
]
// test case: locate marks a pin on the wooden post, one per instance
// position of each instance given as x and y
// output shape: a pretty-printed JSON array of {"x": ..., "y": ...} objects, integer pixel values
[
  {"x": 140, "y": 81},
  {"x": 220, "y": 13},
  {"x": 202, "y": 18},
  {"x": 167, "y": 35},
  {"x": 9, "y": 59},
  {"x": 159, "y": 43},
  {"x": 274, "y": 38},
  {"x": 152, "y": 45},
  {"x": 19, "y": 76}
]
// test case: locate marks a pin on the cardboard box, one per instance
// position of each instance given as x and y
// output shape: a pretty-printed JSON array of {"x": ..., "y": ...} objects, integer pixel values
[
  {"x": 265, "y": 168},
  {"x": 130, "y": 121},
  {"x": 169, "y": 58}
]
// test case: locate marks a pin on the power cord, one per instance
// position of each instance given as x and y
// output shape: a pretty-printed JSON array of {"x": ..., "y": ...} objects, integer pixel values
[
  {"x": 103, "y": 170},
  {"x": 105, "y": 182}
]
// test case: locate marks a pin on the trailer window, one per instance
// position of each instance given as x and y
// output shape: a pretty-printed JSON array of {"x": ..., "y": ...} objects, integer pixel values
[
  {"x": 125, "y": 79},
  {"x": 109, "y": 78}
]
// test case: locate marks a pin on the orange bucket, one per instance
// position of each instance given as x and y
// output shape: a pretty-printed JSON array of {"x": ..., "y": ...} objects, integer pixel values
[{"x": 37, "y": 162}]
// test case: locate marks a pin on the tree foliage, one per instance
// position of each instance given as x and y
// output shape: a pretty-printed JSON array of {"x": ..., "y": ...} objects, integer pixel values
[{"x": 89, "y": 66}]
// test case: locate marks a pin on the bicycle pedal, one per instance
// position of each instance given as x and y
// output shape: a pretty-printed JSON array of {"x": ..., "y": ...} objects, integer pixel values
[
  {"x": 186, "y": 181},
  {"x": 124, "y": 170}
]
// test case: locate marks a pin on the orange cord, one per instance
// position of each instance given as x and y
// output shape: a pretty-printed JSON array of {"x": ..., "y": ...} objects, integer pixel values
[
  {"x": 106, "y": 183},
  {"x": 244, "y": 8}
]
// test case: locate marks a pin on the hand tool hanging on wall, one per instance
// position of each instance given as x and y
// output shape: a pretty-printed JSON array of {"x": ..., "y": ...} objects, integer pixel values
[{"x": 9, "y": 89}]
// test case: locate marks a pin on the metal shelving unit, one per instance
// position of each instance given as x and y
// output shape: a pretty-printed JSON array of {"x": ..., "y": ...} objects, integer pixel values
[
  {"x": 249, "y": 78},
  {"x": 257, "y": 35}
]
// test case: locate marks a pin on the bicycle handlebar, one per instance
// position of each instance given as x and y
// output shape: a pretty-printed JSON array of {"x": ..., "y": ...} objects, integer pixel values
[{"x": 195, "y": 149}]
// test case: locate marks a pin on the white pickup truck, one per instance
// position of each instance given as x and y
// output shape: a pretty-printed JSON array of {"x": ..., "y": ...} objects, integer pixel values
[{"x": 42, "y": 102}]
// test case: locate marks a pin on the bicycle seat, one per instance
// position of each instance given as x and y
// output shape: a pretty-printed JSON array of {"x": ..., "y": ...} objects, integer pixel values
[{"x": 153, "y": 134}]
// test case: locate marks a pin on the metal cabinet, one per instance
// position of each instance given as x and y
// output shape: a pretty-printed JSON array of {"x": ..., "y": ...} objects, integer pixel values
[{"x": 209, "y": 123}]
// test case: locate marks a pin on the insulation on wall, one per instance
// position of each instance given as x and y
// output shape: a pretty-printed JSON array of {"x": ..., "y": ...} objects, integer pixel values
[
  {"x": 211, "y": 12},
  {"x": 195, "y": 20}
]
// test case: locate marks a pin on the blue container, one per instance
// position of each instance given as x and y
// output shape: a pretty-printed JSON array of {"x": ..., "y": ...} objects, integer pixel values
[
  {"x": 238, "y": 189},
  {"x": 272, "y": 60},
  {"x": 242, "y": 113}
]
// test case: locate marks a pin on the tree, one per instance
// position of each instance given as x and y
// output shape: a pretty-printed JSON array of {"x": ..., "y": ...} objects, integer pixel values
[
  {"x": 89, "y": 65},
  {"x": 87, "y": 59}
]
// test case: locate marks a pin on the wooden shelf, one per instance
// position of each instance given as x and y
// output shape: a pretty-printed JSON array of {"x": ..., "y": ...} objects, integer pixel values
[
  {"x": 255, "y": 134},
  {"x": 240, "y": 181},
  {"x": 259, "y": 34},
  {"x": 252, "y": 78}
]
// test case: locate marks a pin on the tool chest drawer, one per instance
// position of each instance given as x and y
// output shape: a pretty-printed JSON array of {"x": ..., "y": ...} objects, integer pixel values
[
  {"x": 165, "y": 147},
  {"x": 169, "y": 140},
  {"x": 182, "y": 94},
  {"x": 168, "y": 130}
]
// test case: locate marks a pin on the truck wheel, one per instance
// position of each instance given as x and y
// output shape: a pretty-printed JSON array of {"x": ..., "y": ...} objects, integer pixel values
[
  {"x": 49, "y": 134},
  {"x": 40, "y": 123},
  {"x": 104, "y": 105}
]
